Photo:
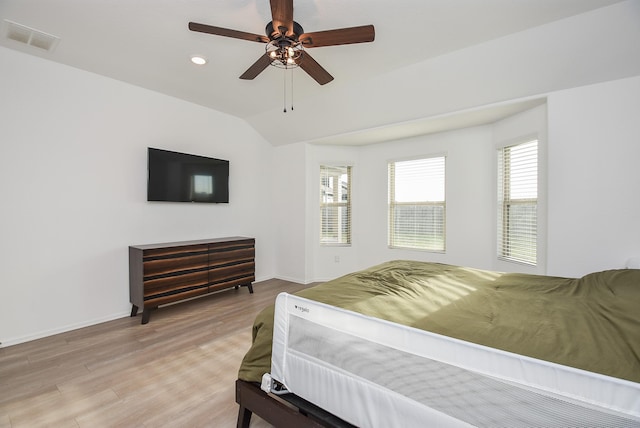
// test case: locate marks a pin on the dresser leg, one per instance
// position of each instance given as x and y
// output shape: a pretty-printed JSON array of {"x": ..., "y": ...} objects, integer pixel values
[
  {"x": 250, "y": 286},
  {"x": 146, "y": 314},
  {"x": 134, "y": 311}
]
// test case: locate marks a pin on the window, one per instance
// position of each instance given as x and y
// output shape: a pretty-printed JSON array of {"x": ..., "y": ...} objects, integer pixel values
[
  {"x": 335, "y": 205},
  {"x": 417, "y": 204},
  {"x": 518, "y": 202}
]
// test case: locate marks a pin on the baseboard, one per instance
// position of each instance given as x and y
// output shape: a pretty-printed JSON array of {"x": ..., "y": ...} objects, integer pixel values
[
  {"x": 323, "y": 279},
  {"x": 64, "y": 329},
  {"x": 296, "y": 280}
]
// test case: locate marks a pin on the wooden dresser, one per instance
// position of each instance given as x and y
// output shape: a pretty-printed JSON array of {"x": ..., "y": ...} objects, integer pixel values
[{"x": 170, "y": 272}]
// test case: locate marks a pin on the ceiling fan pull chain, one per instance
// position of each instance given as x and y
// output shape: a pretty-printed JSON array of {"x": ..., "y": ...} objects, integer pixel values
[
  {"x": 284, "y": 96},
  {"x": 292, "y": 89}
]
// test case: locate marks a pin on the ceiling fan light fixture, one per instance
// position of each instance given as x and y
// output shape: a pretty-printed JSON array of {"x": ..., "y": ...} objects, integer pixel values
[
  {"x": 284, "y": 53},
  {"x": 198, "y": 60}
]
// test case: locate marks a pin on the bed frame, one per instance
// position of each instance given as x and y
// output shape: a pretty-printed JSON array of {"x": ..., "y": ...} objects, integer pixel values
[{"x": 288, "y": 411}]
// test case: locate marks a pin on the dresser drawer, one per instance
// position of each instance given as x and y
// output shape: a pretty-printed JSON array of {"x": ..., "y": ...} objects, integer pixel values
[{"x": 165, "y": 273}]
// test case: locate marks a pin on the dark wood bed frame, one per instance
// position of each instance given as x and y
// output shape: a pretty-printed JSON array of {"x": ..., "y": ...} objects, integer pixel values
[{"x": 281, "y": 411}]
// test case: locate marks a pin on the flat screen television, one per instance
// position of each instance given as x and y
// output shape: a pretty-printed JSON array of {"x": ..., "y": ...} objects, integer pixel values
[{"x": 181, "y": 177}]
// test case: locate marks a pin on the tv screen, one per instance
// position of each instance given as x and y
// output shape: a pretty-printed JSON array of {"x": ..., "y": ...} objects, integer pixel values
[{"x": 181, "y": 177}]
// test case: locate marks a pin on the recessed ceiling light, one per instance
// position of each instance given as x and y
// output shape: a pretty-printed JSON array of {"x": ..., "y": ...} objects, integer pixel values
[{"x": 198, "y": 60}]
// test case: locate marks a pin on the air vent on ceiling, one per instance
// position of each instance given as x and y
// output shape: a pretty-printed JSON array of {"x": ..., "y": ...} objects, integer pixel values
[{"x": 29, "y": 36}]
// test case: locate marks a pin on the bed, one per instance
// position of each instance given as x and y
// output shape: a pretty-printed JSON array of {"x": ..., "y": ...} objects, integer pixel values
[{"x": 573, "y": 340}]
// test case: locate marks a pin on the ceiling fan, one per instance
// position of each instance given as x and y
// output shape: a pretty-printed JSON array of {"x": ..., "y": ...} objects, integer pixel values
[{"x": 286, "y": 42}]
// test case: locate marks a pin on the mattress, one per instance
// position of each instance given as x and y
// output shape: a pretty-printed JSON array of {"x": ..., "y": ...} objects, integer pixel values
[{"x": 374, "y": 373}]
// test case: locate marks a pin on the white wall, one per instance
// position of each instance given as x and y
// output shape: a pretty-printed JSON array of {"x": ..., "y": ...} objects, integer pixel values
[
  {"x": 468, "y": 189},
  {"x": 289, "y": 207},
  {"x": 594, "y": 177},
  {"x": 589, "y": 207},
  {"x": 470, "y": 195},
  {"x": 469, "y": 154},
  {"x": 330, "y": 261},
  {"x": 73, "y": 188}
]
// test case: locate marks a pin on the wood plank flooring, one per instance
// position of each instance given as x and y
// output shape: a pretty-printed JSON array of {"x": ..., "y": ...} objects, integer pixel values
[{"x": 176, "y": 371}]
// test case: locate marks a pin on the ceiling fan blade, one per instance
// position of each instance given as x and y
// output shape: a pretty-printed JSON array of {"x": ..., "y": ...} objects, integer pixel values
[
  {"x": 235, "y": 34},
  {"x": 341, "y": 36},
  {"x": 315, "y": 70},
  {"x": 257, "y": 67},
  {"x": 282, "y": 15}
]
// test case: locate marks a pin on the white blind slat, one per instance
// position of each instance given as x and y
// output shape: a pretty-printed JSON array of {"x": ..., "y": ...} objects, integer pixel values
[
  {"x": 417, "y": 204},
  {"x": 518, "y": 202},
  {"x": 335, "y": 205}
]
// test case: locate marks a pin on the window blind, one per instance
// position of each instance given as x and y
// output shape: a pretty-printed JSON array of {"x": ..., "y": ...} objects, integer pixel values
[
  {"x": 417, "y": 204},
  {"x": 518, "y": 202},
  {"x": 335, "y": 205}
]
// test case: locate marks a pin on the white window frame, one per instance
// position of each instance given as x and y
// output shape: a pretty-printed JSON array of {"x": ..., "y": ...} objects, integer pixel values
[
  {"x": 434, "y": 237},
  {"x": 340, "y": 210},
  {"x": 523, "y": 249}
]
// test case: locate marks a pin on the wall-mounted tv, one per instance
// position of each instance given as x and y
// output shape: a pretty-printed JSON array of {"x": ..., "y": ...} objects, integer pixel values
[{"x": 181, "y": 177}]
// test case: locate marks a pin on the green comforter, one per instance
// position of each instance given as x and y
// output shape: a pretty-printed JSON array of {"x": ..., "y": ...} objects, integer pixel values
[{"x": 592, "y": 323}]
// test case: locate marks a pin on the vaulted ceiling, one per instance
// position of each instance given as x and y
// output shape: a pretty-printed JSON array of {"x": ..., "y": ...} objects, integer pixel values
[{"x": 433, "y": 64}]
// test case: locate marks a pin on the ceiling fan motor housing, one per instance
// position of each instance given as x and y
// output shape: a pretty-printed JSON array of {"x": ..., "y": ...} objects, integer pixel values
[{"x": 274, "y": 34}]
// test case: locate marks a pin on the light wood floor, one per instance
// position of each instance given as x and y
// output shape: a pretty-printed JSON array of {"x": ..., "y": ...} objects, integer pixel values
[{"x": 179, "y": 370}]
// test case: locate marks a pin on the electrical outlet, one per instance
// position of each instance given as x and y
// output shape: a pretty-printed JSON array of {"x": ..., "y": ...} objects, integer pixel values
[{"x": 336, "y": 259}]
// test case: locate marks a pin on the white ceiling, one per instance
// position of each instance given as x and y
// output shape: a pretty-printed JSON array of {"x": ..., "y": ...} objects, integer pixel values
[{"x": 147, "y": 43}]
